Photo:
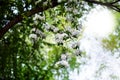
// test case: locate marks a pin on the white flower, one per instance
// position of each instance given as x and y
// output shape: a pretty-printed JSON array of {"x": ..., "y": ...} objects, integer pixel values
[
  {"x": 75, "y": 44},
  {"x": 37, "y": 31},
  {"x": 42, "y": 18},
  {"x": 64, "y": 35},
  {"x": 35, "y": 17},
  {"x": 55, "y": 29},
  {"x": 33, "y": 36},
  {"x": 38, "y": 17},
  {"x": 62, "y": 63},
  {"x": 36, "y": 22},
  {"x": 59, "y": 1},
  {"x": 69, "y": 18},
  {"x": 75, "y": 33},
  {"x": 59, "y": 37},
  {"x": 47, "y": 26},
  {"x": 63, "y": 57},
  {"x": 33, "y": 29},
  {"x": 59, "y": 40},
  {"x": 69, "y": 29},
  {"x": 75, "y": 11},
  {"x": 77, "y": 52}
]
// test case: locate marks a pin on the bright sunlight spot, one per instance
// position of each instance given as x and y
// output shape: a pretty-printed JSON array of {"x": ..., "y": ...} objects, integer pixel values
[
  {"x": 98, "y": 62},
  {"x": 100, "y": 22}
]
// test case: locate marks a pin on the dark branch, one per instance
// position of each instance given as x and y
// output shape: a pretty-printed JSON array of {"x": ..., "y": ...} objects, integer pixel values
[
  {"x": 96, "y": 2},
  {"x": 53, "y": 3},
  {"x": 107, "y": 4},
  {"x": 19, "y": 18},
  {"x": 114, "y": 2},
  {"x": 116, "y": 8}
]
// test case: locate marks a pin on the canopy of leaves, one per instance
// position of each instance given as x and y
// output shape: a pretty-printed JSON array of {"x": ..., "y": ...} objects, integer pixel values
[{"x": 39, "y": 38}]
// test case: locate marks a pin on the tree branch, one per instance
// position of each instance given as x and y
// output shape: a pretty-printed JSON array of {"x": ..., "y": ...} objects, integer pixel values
[
  {"x": 20, "y": 17},
  {"x": 107, "y": 4},
  {"x": 53, "y": 3},
  {"x": 114, "y": 2}
]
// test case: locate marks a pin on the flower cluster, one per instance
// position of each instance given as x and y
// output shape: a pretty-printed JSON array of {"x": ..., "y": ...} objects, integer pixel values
[
  {"x": 37, "y": 17},
  {"x": 63, "y": 62},
  {"x": 77, "y": 52},
  {"x": 52, "y": 28},
  {"x": 36, "y": 33},
  {"x": 33, "y": 36},
  {"x": 47, "y": 26},
  {"x": 75, "y": 45},
  {"x": 73, "y": 32},
  {"x": 63, "y": 57},
  {"x": 59, "y": 37}
]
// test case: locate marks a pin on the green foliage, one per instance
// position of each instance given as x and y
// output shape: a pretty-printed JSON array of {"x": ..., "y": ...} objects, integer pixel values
[
  {"x": 112, "y": 42},
  {"x": 38, "y": 47}
]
